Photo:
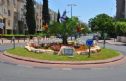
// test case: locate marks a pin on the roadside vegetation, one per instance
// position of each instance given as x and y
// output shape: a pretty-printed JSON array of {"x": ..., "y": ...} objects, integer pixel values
[
  {"x": 102, "y": 55},
  {"x": 104, "y": 23}
]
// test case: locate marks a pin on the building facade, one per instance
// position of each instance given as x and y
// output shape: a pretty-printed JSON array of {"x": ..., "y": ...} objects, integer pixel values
[
  {"x": 12, "y": 14},
  {"x": 38, "y": 17},
  {"x": 3, "y": 14},
  {"x": 120, "y": 8},
  {"x": 53, "y": 15}
]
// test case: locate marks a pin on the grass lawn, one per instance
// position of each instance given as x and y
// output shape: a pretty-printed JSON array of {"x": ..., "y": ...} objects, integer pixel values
[{"x": 103, "y": 54}]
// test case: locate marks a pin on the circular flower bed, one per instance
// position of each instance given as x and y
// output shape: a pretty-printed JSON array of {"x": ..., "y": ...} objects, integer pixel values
[{"x": 55, "y": 48}]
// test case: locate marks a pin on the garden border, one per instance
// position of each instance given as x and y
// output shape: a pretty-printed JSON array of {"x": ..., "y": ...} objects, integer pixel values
[{"x": 114, "y": 59}]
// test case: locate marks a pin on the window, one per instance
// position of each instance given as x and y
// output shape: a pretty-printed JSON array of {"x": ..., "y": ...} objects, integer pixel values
[
  {"x": 1, "y": 2},
  {"x": 8, "y": 22},
  {"x": 9, "y": 13},
  {"x": 14, "y": 3},
  {"x": 5, "y": 11},
  {"x": 8, "y": 2}
]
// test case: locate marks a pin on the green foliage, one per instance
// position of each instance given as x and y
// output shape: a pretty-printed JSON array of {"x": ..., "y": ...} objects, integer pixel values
[
  {"x": 121, "y": 28},
  {"x": 12, "y": 35},
  {"x": 45, "y": 12},
  {"x": 102, "y": 23},
  {"x": 30, "y": 16},
  {"x": 42, "y": 34},
  {"x": 67, "y": 28},
  {"x": 120, "y": 19},
  {"x": 103, "y": 54},
  {"x": 64, "y": 29},
  {"x": 84, "y": 28}
]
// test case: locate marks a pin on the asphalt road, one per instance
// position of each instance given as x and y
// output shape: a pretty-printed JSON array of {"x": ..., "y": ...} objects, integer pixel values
[
  {"x": 4, "y": 47},
  {"x": 120, "y": 48},
  {"x": 13, "y": 72}
]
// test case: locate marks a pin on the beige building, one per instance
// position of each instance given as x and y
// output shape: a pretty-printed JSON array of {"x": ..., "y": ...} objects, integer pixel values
[
  {"x": 38, "y": 17},
  {"x": 53, "y": 15},
  {"x": 3, "y": 14},
  {"x": 21, "y": 17},
  {"x": 12, "y": 15}
]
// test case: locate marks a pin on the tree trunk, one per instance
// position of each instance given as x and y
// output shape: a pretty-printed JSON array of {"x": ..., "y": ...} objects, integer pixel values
[{"x": 65, "y": 40}]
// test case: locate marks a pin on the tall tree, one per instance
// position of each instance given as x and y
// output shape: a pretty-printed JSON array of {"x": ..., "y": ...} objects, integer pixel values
[
  {"x": 30, "y": 16},
  {"x": 102, "y": 23},
  {"x": 58, "y": 16},
  {"x": 45, "y": 13}
]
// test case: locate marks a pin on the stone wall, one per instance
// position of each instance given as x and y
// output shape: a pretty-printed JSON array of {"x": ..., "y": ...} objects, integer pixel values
[{"x": 121, "y": 39}]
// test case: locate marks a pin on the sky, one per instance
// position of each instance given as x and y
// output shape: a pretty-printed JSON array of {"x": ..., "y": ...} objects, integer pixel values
[{"x": 85, "y": 9}]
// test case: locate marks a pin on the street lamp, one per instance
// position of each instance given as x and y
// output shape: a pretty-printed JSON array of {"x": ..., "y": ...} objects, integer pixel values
[{"x": 71, "y": 5}]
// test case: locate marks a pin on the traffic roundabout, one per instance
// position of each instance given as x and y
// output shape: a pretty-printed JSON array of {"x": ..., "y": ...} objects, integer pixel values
[{"x": 61, "y": 64}]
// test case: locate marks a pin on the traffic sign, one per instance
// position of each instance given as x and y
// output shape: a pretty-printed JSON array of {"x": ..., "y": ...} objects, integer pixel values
[{"x": 89, "y": 42}]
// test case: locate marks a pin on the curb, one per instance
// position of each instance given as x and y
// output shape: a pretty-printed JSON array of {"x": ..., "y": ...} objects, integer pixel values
[
  {"x": 117, "y": 44},
  {"x": 114, "y": 43},
  {"x": 64, "y": 62}
]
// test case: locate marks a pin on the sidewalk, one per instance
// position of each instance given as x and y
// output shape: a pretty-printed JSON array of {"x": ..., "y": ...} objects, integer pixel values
[
  {"x": 112, "y": 42},
  {"x": 6, "y": 41}
]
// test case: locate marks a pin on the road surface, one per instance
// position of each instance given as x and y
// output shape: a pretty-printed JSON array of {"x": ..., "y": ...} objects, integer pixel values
[{"x": 15, "y": 72}]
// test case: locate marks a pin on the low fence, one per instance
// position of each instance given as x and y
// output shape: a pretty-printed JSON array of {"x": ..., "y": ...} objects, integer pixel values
[{"x": 121, "y": 39}]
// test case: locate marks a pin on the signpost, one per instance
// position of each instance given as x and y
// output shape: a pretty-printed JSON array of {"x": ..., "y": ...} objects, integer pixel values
[
  {"x": 68, "y": 51},
  {"x": 105, "y": 36},
  {"x": 13, "y": 40},
  {"x": 89, "y": 43}
]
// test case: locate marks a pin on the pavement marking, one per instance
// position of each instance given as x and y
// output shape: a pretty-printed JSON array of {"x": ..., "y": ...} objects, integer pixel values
[
  {"x": 42, "y": 68},
  {"x": 82, "y": 68},
  {"x": 55, "y": 68},
  {"x": 27, "y": 66},
  {"x": 68, "y": 69},
  {"x": 4, "y": 62}
]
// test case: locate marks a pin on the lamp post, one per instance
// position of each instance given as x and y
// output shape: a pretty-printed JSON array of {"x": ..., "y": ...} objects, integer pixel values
[{"x": 71, "y": 5}]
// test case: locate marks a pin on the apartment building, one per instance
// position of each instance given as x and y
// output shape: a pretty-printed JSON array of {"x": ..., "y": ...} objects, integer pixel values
[
  {"x": 120, "y": 9},
  {"x": 3, "y": 14},
  {"x": 53, "y": 15},
  {"x": 12, "y": 14},
  {"x": 9, "y": 12},
  {"x": 38, "y": 17}
]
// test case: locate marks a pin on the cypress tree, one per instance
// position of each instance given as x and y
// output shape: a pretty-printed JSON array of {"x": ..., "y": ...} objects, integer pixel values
[
  {"x": 30, "y": 16},
  {"x": 58, "y": 16},
  {"x": 45, "y": 13}
]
